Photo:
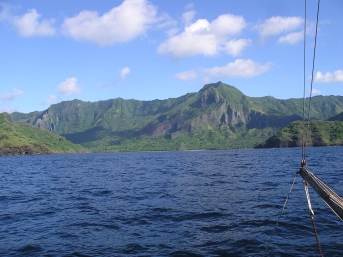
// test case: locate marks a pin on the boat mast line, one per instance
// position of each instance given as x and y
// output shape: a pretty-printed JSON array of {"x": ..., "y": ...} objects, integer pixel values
[
  {"x": 283, "y": 209},
  {"x": 310, "y": 98},
  {"x": 310, "y": 211},
  {"x": 304, "y": 144}
]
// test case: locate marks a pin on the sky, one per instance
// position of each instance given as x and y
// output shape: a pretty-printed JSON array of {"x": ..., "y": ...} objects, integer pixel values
[{"x": 53, "y": 51}]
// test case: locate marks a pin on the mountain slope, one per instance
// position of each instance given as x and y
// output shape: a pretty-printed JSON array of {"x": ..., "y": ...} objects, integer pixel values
[
  {"x": 17, "y": 138},
  {"x": 222, "y": 111},
  {"x": 338, "y": 117},
  {"x": 320, "y": 133}
]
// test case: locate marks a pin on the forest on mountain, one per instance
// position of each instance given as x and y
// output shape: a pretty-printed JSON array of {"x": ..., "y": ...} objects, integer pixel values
[
  {"x": 219, "y": 116},
  {"x": 18, "y": 138}
]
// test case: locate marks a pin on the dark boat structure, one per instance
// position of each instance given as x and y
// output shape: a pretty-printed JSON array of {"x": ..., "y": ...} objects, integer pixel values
[{"x": 333, "y": 200}]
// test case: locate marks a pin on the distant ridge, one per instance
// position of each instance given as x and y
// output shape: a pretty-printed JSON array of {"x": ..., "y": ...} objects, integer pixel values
[{"x": 219, "y": 116}]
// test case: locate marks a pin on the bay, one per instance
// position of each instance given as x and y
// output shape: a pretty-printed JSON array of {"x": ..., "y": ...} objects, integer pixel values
[{"x": 184, "y": 203}]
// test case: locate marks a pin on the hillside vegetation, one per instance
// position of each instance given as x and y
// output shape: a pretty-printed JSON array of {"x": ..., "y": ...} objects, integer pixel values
[
  {"x": 219, "y": 116},
  {"x": 320, "y": 133},
  {"x": 17, "y": 138}
]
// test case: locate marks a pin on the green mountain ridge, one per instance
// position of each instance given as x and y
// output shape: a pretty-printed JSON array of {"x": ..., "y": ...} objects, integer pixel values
[
  {"x": 219, "y": 116},
  {"x": 319, "y": 133},
  {"x": 18, "y": 138}
]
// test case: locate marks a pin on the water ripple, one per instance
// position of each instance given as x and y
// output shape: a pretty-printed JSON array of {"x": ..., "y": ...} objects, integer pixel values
[{"x": 196, "y": 203}]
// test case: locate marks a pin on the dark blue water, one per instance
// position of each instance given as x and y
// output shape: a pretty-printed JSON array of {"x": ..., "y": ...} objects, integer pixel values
[{"x": 201, "y": 203}]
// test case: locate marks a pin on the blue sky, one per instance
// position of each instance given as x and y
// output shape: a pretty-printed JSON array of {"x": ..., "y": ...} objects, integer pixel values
[{"x": 53, "y": 51}]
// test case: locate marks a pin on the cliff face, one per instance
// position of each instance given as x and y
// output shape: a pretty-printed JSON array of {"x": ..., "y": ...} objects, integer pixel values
[
  {"x": 217, "y": 105},
  {"x": 223, "y": 114}
]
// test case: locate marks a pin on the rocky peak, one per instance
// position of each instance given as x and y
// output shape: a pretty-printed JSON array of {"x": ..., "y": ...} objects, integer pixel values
[{"x": 209, "y": 97}]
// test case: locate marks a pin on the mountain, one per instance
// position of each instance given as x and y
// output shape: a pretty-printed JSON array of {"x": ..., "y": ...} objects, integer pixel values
[
  {"x": 338, "y": 117},
  {"x": 219, "y": 116},
  {"x": 319, "y": 133},
  {"x": 18, "y": 138}
]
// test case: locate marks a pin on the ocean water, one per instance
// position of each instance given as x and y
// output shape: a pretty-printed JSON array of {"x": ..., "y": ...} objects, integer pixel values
[{"x": 186, "y": 203}]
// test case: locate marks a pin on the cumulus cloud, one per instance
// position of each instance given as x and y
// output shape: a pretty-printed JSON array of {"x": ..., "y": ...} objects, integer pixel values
[
  {"x": 11, "y": 96},
  {"x": 292, "y": 38},
  {"x": 329, "y": 77},
  {"x": 124, "y": 72},
  {"x": 68, "y": 87},
  {"x": 316, "y": 92},
  {"x": 52, "y": 99},
  {"x": 122, "y": 75},
  {"x": 172, "y": 32},
  {"x": 29, "y": 24},
  {"x": 187, "y": 17},
  {"x": 277, "y": 25},
  {"x": 203, "y": 37},
  {"x": 235, "y": 46},
  {"x": 120, "y": 24},
  {"x": 187, "y": 75},
  {"x": 239, "y": 68}
]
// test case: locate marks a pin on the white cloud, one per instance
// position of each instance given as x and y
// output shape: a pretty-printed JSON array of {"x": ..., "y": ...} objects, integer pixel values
[
  {"x": 277, "y": 25},
  {"x": 52, "y": 99},
  {"x": 164, "y": 20},
  {"x": 28, "y": 25},
  {"x": 316, "y": 92},
  {"x": 11, "y": 96},
  {"x": 124, "y": 72},
  {"x": 172, "y": 32},
  {"x": 203, "y": 37},
  {"x": 120, "y": 24},
  {"x": 329, "y": 77},
  {"x": 187, "y": 75},
  {"x": 235, "y": 46},
  {"x": 187, "y": 17},
  {"x": 239, "y": 68},
  {"x": 68, "y": 87},
  {"x": 292, "y": 38},
  {"x": 5, "y": 12}
]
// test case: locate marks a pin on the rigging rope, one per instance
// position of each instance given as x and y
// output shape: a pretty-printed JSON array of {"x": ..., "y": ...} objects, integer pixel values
[
  {"x": 304, "y": 91},
  {"x": 304, "y": 144},
  {"x": 312, "y": 217},
  {"x": 310, "y": 98},
  {"x": 277, "y": 223}
]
